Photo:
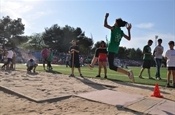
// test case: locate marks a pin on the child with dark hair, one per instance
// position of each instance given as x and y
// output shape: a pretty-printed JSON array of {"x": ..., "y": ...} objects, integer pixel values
[
  {"x": 170, "y": 57},
  {"x": 158, "y": 51},
  {"x": 74, "y": 61},
  {"x": 9, "y": 56},
  {"x": 31, "y": 65},
  {"x": 45, "y": 53},
  {"x": 49, "y": 60},
  {"x": 101, "y": 56},
  {"x": 146, "y": 59},
  {"x": 113, "y": 45}
]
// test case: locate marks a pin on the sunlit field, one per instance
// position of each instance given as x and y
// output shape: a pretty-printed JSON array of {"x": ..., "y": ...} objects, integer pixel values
[{"x": 112, "y": 75}]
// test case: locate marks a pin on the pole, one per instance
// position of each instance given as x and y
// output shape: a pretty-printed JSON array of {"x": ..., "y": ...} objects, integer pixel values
[{"x": 156, "y": 40}]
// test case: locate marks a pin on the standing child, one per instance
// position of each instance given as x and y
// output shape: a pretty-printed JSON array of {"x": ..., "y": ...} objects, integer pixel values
[
  {"x": 45, "y": 53},
  {"x": 158, "y": 51},
  {"x": 113, "y": 45},
  {"x": 49, "y": 59},
  {"x": 13, "y": 64},
  {"x": 75, "y": 62},
  {"x": 146, "y": 59},
  {"x": 170, "y": 57},
  {"x": 9, "y": 57},
  {"x": 101, "y": 55}
]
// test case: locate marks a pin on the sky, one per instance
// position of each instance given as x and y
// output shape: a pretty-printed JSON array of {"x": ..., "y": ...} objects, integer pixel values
[{"x": 149, "y": 18}]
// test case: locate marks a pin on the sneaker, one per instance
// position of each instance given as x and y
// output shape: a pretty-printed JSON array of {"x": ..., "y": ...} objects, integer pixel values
[
  {"x": 131, "y": 76},
  {"x": 173, "y": 85},
  {"x": 29, "y": 72},
  {"x": 98, "y": 76},
  {"x": 140, "y": 77},
  {"x": 90, "y": 66},
  {"x": 168, "y": 85},
  {"x": 151, "y": 78},
  {"x": 158, "y": 78},
  {"x": 105, "y": 77},
  {"x": 71, "y": 75},
  {"x": 81, "y": 75}
]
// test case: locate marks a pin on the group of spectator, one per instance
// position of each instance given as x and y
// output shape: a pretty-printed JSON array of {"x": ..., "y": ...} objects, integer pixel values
[{"x": 157, "y": 53}]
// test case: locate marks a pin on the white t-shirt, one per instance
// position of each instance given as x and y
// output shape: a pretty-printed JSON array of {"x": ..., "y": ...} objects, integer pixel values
[
  {"x": 170, "y": 54},
  {"x": 158, "y": 52},
  {"x": 10, "y": 54},
  {"x": 29, "y": 63}
]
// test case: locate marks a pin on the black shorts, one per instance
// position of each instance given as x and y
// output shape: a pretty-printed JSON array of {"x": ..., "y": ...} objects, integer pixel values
[
  {"x": 8, "y": 61},
  {"x": 76, "y": 63},
  {"x": 171, "y": 68},
  {"x": 146, "y": 64}
]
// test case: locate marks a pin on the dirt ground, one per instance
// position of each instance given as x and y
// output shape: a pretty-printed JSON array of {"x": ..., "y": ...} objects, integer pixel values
[{"x": 46, "y": 85}]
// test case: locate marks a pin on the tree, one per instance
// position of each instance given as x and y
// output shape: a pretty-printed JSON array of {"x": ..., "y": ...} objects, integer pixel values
[
  {"x": 35, "y": 42},
  {"x": 10, "y": 31},
  {"x": 59, "y": 38}
]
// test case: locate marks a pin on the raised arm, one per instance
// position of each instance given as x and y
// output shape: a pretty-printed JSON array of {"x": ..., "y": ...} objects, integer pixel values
[
  {"x": 128, "y": 37},
  {"x": 106, "y": 23}
]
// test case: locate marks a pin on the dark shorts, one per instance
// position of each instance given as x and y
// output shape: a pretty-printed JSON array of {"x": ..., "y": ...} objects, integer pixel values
[
  {"x": 171, "y": 68},
  {"x": 76, "y": 63},
  {"x": 8, "y": 61},
  {"x": 146, "y": 64}
]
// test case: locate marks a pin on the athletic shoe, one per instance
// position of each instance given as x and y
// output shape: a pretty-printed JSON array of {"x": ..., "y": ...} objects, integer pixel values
[
  {"x": 98, "y": 76},
  {"x": 71, "y": 75},
  {"x": 140, "y": 77},
  {"x": 168, "y": 85},
  {"x": 173, "y": 85},
  {"x": 151, "y": 78},
  {"x": 29, "y": 72},
  {"x": 81, "y": 75},
  {"x": 158, "y": 78},
  {"x": 131, "y": 76},
  {"x": 90, "y": 66}
]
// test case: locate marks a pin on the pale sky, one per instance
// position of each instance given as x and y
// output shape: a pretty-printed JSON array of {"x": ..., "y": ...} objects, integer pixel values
[{"x": 148, "y": 17}]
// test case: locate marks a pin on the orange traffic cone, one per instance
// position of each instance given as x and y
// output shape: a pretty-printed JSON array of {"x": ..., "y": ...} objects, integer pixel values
[{"x": 156, "y": 92}]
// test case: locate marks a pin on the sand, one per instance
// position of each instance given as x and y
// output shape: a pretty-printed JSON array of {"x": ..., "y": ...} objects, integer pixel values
[{"x": 43, "y": 86}]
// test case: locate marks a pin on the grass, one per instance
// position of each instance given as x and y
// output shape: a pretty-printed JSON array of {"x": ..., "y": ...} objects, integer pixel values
[{"x": 112, "y": 75}]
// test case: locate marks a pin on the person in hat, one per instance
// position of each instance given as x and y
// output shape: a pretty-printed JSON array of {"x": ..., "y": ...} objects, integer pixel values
[
  {"x": 31, "y": 65},
  {"x": 74, "y": 61},
  {"x": 170, "y": 57},
  {"x": 101, "y": 56},
  {"x": 113, "y": 45},
  {"x": 157, "y": 53}
]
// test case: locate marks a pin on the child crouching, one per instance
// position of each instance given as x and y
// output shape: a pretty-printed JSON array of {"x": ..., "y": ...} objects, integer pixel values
[{"x": 31, "y": 65}]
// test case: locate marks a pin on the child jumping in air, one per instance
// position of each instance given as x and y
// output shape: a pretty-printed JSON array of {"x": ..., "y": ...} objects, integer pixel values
[{"x": 113, "y": 45}]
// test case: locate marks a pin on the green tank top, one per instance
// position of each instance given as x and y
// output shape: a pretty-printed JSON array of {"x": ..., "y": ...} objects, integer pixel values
[{"x": 116, "y": 36}]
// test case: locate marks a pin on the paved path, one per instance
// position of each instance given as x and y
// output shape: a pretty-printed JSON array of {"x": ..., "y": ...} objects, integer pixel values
[{"x": 139, "y": 103}]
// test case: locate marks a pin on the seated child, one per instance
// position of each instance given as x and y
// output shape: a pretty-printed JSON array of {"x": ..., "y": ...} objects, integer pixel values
[{"x": 31, "y": 65}]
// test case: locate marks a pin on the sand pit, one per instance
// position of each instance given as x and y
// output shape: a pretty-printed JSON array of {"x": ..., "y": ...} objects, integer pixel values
[{"x": 45, "y": 86}]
